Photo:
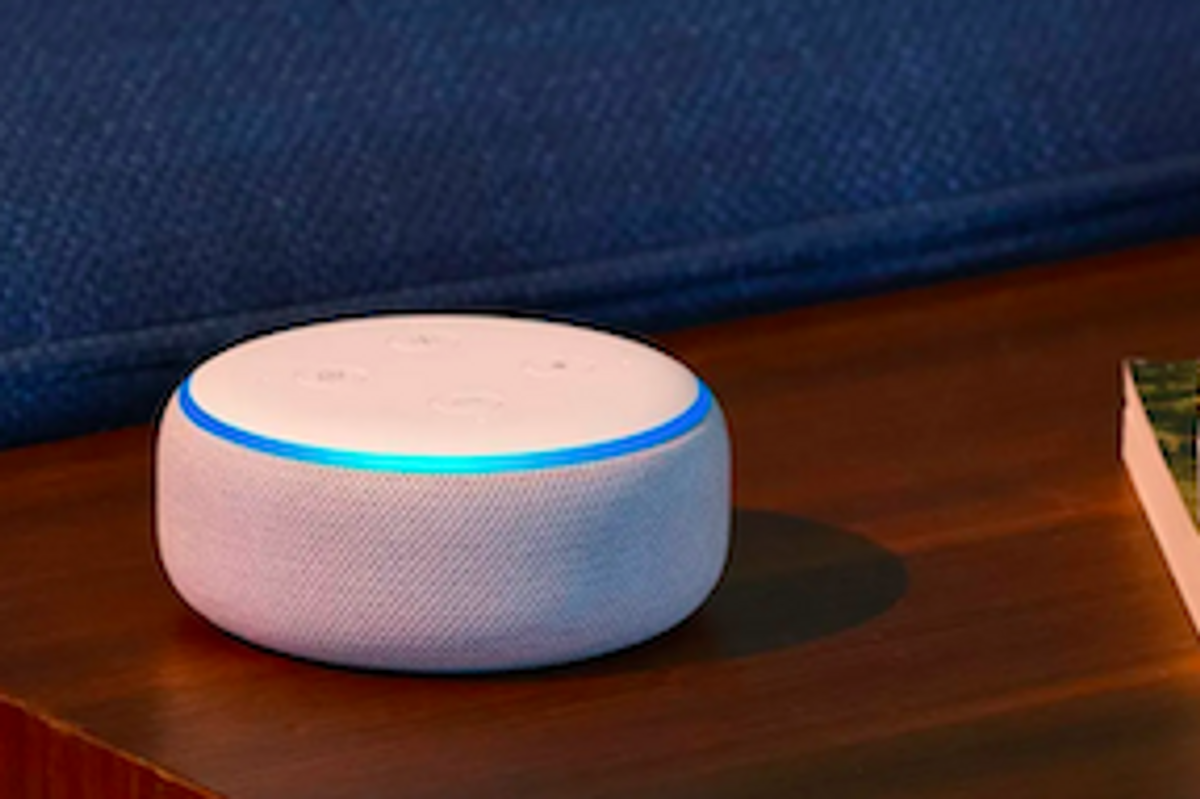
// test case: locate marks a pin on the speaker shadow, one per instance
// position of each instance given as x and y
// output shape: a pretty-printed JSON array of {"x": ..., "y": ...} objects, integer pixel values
[{"x": 789, "y": 581}]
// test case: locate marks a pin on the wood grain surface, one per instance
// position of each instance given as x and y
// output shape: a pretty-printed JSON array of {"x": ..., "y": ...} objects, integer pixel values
[{"x": 942, "y": 585}]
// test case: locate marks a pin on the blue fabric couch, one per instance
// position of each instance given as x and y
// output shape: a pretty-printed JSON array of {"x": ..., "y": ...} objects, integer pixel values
[{"x": 175, "y": 176}]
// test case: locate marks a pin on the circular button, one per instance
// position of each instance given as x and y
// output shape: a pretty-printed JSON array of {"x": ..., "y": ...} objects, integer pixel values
[
  {"x": 419, "y": 342},
  {"x": 468, "y": 403},
  {"x": 557, "y": 366},
  {"x": 331, "y": 376}
]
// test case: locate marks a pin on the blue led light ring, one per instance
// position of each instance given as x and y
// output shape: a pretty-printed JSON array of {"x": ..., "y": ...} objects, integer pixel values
[{"x": 450, "y": 464}]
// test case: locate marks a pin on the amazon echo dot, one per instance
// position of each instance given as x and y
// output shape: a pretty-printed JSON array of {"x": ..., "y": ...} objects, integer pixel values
[{"x": 445, "y": 493}]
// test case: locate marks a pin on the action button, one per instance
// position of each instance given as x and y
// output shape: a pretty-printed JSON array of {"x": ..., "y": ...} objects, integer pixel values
[{"x": 330, "y": 376}]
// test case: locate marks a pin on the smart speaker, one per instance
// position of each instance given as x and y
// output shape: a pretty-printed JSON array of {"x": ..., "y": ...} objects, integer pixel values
[{"x": 443, "y": 493}]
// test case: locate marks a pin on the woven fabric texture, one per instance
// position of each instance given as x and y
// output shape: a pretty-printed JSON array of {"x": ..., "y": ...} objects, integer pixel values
[
  {"x": 175, "y": 176},
  {"x": 443, "y": 572}
]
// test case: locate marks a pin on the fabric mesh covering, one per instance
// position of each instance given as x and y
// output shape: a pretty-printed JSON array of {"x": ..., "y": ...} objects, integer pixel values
[
  {"x": 176, "y": 176},
  {"x": 436, "y": 572}
]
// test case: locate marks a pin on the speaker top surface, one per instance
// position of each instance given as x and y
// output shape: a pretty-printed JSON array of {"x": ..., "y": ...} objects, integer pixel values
[{"x": 444, "y": 393}]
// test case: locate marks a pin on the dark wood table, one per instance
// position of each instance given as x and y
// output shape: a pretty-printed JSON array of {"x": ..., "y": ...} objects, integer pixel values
[{"x": 942, "y": 585}]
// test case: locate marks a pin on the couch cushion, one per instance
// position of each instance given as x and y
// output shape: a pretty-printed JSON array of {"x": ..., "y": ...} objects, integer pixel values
[{"x": 174, "y": 176}]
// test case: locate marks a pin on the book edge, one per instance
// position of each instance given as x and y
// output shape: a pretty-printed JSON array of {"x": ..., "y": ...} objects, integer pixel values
[{"x": 1162, "y": 504}]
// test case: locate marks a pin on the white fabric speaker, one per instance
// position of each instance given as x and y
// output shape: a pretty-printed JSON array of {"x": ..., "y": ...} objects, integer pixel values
[{"x": 443, "y": 492}]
